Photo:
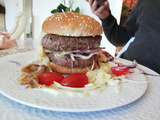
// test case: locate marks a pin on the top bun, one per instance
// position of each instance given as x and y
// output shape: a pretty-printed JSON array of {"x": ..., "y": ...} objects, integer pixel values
[{"x": 72, "y": 24}]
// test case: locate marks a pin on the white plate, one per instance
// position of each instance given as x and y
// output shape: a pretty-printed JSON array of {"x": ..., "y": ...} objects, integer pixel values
[{"x": 108, "y": 99}]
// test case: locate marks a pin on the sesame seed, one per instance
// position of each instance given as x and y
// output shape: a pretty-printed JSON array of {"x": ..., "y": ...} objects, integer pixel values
[{"x": 57, "y": 18}]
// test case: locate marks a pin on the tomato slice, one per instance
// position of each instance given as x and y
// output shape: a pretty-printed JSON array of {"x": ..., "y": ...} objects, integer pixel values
[
  {"x": 110, "y": 57},
  {"x": 119, "y": 70},
  {"x": 49, "y": 78},
  {"x": 77, "y": 80}
]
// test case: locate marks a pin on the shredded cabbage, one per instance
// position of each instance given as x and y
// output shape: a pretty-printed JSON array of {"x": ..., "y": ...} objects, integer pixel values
[
  {"x": 82, "y": 56},
  {"x": 41, "y": 52}
]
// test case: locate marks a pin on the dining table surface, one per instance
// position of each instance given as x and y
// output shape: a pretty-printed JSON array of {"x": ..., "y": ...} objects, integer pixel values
[{"x": 147, "y": 107}]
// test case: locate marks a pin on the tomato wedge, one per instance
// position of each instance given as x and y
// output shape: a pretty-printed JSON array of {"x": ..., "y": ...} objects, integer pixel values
[
  {"x": 110, "y": 57},
  {"x": 77, "y": 80},
  {"x": 119, "y": 70},
  {"x": 49, "y": 78}
]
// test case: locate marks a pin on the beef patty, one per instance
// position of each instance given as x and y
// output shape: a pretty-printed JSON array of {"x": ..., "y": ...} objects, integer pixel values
[
  {"x": 67, "y": 43},
  {"x": 66, "y": 61}
]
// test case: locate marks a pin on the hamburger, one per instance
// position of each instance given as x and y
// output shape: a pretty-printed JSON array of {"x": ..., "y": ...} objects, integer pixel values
[{"x": 71, "y": 42}]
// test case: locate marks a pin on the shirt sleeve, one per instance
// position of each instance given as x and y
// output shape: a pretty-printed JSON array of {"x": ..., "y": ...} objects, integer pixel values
[{"x": 116, "y": 34}]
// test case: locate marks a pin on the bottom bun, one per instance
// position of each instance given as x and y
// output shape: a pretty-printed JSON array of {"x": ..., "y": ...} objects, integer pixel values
[{"x": 65, "y": 70}]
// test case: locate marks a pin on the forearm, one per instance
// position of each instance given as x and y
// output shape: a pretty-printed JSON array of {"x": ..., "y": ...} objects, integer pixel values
[{"x": 115, "y": 33}]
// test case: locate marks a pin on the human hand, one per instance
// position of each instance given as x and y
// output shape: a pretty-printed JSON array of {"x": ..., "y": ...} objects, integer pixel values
[{"x": 102, "y": 12}]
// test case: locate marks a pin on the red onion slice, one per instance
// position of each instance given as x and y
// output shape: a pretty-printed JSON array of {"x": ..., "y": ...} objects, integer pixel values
[
  {"x": 88, "y": 51},
  {"x": 143, "y": 72},
  {"x": 132, "y": 65},
  {"x": 17, "y": 63}
]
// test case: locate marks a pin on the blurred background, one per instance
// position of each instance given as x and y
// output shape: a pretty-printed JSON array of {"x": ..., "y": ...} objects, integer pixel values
[{"x": 30, "y": 14}]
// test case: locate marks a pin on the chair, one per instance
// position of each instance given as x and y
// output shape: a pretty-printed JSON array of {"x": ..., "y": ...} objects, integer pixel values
[{"x": 20, "y": 25}]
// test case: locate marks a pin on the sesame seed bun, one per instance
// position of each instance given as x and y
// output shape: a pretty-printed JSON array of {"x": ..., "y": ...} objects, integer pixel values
[{"x": 72, "y": 24}]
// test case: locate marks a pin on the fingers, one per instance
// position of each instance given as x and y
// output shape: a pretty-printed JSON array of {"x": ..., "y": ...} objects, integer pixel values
[
  {"x": 90, "y": 2},
  {"x": 106, "y": 4},
  {"x": 104, "y": 7},
  {"x": 94, "y": 6},
  {"x": 103, "y": 11}
]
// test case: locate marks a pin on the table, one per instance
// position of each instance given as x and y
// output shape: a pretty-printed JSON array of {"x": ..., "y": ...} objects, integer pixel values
[
  {"x": 23, "y": 46},
  {"x": 145, "y": 108}
]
